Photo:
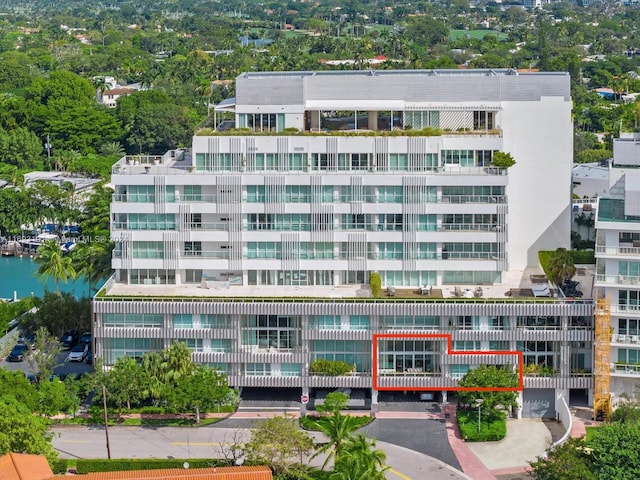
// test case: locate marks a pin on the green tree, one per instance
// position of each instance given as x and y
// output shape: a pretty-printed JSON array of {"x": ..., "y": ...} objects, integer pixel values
[
  {"x": 569, "y": 461},
  {"x": 489, "y": 376},
  {"x": 615, "y": 451},
  {"x": 23, "y": 432},
  {"x": 92, "y": 261},
  {"x": 561, "y": 265},
  {"x": 203, "y": 389},
  {"x": 360, "y": 459},
  {"x": 53, "y": 397},
  {"x": 43, "y": 358},
  {"x": 176, "y": 363},
  {"x": 20, "y": 147},
  {"x": 502, "y": 160},
  {"x": 126, "y": 383},
  {"x": 53, "y": 263},
  {"x": 334, "y": 402},
  {"x": 279, "y": 443},
  {"x": 59, "y": 312},
  {"x": 339, "y": 428},
  {"x": 15, "y": 385}
]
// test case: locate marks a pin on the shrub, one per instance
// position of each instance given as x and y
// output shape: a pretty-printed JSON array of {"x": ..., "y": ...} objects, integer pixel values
[
  {"x": 117, "y": 465},
  {"x": 503, "y": 160},
  {"x": 59, "y": 466},
  {"x": 332, "y": 368},
  {"x": 493, "y": 426},
  {"x": 375, "y": 282}
]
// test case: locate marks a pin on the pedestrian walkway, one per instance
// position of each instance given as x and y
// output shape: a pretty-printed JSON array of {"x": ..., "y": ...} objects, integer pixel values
[
  {"x": 410, "y": 415},
  {"x": 469, "y": 462}
]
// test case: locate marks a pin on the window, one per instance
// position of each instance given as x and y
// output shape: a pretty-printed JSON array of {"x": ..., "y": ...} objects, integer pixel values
[
  {"x": 151, "y": 221},
  {"x": 354, "y": 352},
  {"x": 215, "y": 321},
  {"x": 483, "y": 120},
  {"x": 193, "y": 276},
  {"x": 152, "y": 277},
  {"x": 629, "y": 269},
  {"x": 271, "y": 331},
  {"x": 464, "y": 158},
  {"x": 499, "y": 323},
  {"x": 359, "y": 322},
  {"x": 545, "y": 354},
  {"x": 291, "y": 370},
  {"x": 297, "y": 162},
  {"x": 148, "y": 250},
  {"x": 354, "y": 221},
  {"x": 192, "y": 249},
  {"x": 193, "y": 193},
  {"x": 297, "y": 194},
  {"x": 390, "y": 222},
  {"x": 628, "y": 356},
  {"x": 264, "y": 250},
  {"x": 390, "y": 251},
  {"x": 466, "y": 345},
  {"x": 257, "y": 369},
  {"x": 220, "y": 345},
  {"x": 115, "y": 348},
  {"x": 628, "y": 326},
  {"x": 320, "y": 161},
  {"x": 466, "y": 323},
  {"x": 182, "y": 321},
  {"x": 390, "y": 194},
  {"x": 260, "y": 221},
  {"x": 359, "y": 161},
  {"x": 628, "y": 299},
  {"x": 133, "y": 320},
  {"x": 400, "y": 322},
  {"x": 255, "y": 194},
  {"x": 459, "y": 370},
  {"x": 326, "y": 322}
]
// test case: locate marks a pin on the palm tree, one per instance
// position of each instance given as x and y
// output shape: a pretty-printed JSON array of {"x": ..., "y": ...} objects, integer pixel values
[
  {"x": 561, "y": 265},
  {"x": 177, "y": 362},
  {"x": 339, "y": 429},
  {"x": 112, "y": 149},
  {"x": 52, "y": 263},
  {"x": 93, "y": 262},
  {"x": 360, "y": 459},
  {"x": 152, "y": 365}
]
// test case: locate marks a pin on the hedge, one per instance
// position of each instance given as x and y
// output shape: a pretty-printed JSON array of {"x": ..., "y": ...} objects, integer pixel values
[
  {"x": 59, "y": 466},
  {"x": 493, "y": 426},
  {"x": 117, "y": 465}
]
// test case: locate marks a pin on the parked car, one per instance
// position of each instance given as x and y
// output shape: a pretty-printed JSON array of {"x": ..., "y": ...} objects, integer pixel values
[
  {"x": 18, "y": 353},
  {"x": 78, "y": 353},
  {"x": 69, "y": 339},
  {"x": 86, "y": 338}
]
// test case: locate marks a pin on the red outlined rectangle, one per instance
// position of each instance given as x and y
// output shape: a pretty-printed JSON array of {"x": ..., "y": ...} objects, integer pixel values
[{"x": 450, "y": 351}]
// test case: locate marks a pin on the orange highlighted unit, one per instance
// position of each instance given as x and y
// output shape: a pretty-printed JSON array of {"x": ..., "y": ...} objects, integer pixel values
[{"x": 450, "y": 351}]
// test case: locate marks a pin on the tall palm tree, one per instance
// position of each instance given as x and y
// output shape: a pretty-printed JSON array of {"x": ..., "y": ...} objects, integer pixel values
[
  {"x": 561, "y": 265},
  {"x": 93, "y": 262},
  {"x": 177, "y": 362},
  {"x": 52, "y": 263},
  {"x": 339, "y": 428}
]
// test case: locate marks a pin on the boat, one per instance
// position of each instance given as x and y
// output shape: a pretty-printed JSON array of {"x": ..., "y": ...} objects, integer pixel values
[{"x": 30, "y": 245}]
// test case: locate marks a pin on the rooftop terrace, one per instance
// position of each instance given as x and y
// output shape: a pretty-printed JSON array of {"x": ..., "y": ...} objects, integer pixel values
[{"x": 612, "y": 210}]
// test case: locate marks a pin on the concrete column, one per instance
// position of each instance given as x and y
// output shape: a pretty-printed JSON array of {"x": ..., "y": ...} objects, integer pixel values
[
  {"x": 373, "y": 121},
  {"x": 520, "y": 402},
  {"x": 374, "y": 397},
  {"x": 590, "y": 393},
  {"x": 444, "y": 397}
]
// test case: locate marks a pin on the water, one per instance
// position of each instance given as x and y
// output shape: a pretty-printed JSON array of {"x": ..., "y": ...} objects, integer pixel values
[{"x": 18, "y": 274}]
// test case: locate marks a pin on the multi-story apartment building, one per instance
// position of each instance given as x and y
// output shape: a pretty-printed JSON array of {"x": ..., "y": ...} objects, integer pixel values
[
  {"x": 256, "y": 246},
  {"x": 618, "y": 268}
]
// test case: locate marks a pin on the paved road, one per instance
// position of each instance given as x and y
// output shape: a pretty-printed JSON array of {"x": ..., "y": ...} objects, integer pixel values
[
  {"x": 427, "y": 436},
  {"x": 203, "y": 442}
]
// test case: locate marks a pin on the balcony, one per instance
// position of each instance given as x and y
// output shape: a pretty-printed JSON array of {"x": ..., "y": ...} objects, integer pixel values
[
  {"x": 625, "y": 370},
  {"x": 625, "y": 339},
  {"x": 626, "y": 310},
  {"x": 606, "y": 251},
  {"x": 617, "y": 280}
]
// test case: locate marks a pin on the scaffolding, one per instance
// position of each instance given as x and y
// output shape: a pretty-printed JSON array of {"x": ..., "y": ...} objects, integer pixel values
[{"x": 602, "y": 361}]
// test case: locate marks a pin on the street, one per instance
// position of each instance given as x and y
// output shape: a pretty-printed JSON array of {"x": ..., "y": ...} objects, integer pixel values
[{"x": 207, "y": 442}]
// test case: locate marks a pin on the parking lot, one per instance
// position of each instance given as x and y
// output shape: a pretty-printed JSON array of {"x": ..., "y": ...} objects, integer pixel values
[{"x": 63, "y": 368}]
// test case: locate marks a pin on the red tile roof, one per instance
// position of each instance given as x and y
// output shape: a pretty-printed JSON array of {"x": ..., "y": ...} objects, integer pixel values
[
  {"x": 22, "y": 466},
  {"x": 210, "y": 473}
]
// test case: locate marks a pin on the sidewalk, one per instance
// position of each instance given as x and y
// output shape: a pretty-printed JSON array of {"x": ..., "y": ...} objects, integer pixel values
[{"x": 469, "y": 462}]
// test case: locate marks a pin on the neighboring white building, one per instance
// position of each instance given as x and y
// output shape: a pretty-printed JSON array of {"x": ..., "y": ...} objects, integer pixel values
[
  {"x": 618, "y": 277},
  {"x": 256, "y": 246}
]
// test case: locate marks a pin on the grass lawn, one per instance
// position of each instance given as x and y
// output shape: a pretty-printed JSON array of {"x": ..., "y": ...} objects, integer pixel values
[{"x": 493, "y": 427}]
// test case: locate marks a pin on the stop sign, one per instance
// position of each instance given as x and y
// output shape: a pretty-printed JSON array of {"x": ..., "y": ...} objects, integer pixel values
[{"x": 304, "y": 399}]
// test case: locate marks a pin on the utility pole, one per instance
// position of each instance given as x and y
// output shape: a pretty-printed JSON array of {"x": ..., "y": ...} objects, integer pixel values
[
  {"x": 47, "y": 145},
  {"x": 106, "y": 419}
]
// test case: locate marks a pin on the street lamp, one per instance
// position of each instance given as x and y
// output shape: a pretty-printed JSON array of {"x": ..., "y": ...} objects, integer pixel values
[{"x": 479, "y": 403}]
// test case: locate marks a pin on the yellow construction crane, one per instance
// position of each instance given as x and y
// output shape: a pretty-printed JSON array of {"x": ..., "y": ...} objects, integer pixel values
[{"x": 602, "y": 360}]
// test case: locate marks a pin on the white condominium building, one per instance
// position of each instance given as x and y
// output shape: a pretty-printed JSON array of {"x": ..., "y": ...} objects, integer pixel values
[{"x": 256, "y": 246}]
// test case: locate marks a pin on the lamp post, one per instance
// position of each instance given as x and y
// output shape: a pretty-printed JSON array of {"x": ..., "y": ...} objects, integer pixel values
[{"x": 479, "y": 403}]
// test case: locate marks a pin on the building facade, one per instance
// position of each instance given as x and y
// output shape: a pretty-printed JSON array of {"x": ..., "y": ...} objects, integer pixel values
[
  {"x": 618, "y": 277},
  {"x": 256, "y": 246}
]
